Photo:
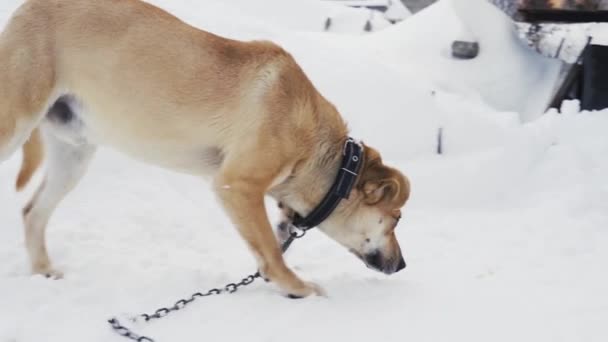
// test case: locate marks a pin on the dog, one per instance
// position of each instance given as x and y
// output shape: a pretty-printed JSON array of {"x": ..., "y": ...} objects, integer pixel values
[{"x": 75, "y": 74}]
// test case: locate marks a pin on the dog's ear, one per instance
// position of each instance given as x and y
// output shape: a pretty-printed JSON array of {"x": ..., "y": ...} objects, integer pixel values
[
  {"x": 381, "y": 183},
  {"x": 385, "y": 189}
]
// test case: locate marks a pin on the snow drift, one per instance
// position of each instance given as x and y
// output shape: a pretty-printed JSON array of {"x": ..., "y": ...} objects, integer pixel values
[{"x": 504, "y": 235}]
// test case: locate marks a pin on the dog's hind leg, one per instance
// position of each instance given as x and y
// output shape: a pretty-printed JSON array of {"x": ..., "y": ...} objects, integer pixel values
[
  {"x": 27, "y": 77},
  {"x": 66, "y": 165}
]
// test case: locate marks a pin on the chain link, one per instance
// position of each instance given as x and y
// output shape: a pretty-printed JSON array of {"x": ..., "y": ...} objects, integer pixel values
[
  {"x": 294, "y": 233},
  {"x": 124, "y": 331}
]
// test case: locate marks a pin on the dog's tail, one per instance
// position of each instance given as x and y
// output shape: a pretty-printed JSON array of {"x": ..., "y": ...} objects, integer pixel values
[{"x": 33, "y": 154}]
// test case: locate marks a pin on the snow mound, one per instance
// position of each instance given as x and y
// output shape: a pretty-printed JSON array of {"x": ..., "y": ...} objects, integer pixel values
[
  {"x": 311, "y": 15},
  {"x": 503, "y": 74}
]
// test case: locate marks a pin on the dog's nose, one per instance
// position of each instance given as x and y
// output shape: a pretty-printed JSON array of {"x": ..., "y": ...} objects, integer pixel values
[
  {"x": 401, "y": 265},
  {"x": 375, "y": 260}
]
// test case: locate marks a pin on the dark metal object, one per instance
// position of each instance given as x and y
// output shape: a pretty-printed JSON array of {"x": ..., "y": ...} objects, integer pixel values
[
  {"x": 559, "y": 48},
  {"x": 328, "y": 23},
  {"x": 439, "y": 142},
  {"x": 570, "y": 82},
  {"x": 126, "y": 332},
  {"x": 465, "y": 50},
  {"x": 294, "y": 233},
  {"x": 595, "y": 78},
  {"x": 533, "y": 15},
  {"x": 569, "y": 88}
]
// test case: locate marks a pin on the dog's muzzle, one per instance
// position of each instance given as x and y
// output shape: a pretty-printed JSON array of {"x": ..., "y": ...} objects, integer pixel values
[{"x": 376, "y": 261}]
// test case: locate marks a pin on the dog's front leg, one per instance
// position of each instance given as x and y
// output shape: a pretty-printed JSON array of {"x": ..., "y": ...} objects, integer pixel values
[{"x": 243, "y": 198}]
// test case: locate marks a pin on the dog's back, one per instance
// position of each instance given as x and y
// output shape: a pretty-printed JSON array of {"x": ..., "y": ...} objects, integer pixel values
[{"x": 127, "y": 61}]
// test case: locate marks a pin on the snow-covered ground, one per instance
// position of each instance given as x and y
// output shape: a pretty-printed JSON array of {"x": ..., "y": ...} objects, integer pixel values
[{"x": 505, "y": 235}]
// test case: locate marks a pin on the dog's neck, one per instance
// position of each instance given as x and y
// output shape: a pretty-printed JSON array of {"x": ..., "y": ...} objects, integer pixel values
[
  {"x": 315, "y": 173},
  {"x": 313, "y": 177}
]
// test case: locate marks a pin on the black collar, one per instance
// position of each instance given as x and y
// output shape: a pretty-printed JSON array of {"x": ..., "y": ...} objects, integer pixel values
[{"x": 352, "y": 158}]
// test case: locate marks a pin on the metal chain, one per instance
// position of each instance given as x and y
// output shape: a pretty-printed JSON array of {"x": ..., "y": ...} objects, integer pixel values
[{"x": 294, "y": 233}]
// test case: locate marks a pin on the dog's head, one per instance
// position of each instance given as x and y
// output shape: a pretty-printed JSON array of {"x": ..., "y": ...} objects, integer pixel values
[{"x": 366, "y": 222}]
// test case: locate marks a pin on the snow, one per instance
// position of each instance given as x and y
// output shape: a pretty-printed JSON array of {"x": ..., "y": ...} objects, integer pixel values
[
  {"x": 301, "y": 15},
  {"x": 504, "y": 235},
  {"x": 395, "y": 10},
  {"x": 502, "y": 55}
]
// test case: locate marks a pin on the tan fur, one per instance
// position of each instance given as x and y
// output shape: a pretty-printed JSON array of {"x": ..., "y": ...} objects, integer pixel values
[
  {"x": 171, "y": 95},
  {"x": 33, "y": 154}
]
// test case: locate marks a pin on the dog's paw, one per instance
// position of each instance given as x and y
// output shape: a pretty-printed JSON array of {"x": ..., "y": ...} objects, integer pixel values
[
  {"x": 306, "y": 290},
  {"x": 49, "y": 273},
  {"x": 263, "y": 275},
  {"x": 292, "y": 296},
  {"x": 266, "y": 279},
  {"x": 317, "y": 290}
]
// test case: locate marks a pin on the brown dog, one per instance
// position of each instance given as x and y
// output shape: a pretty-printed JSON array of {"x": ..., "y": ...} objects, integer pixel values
[{"x": 127, "y": 74}]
